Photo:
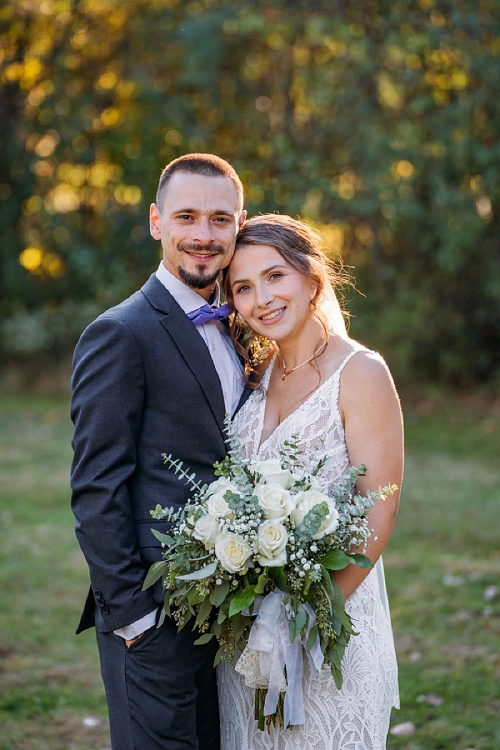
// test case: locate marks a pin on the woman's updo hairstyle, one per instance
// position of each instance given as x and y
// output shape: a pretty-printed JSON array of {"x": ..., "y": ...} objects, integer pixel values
[{"x": 301, "y": 247}]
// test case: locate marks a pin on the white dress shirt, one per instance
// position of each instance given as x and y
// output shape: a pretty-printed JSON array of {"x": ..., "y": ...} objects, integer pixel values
[{"x": 229, "y": 370}]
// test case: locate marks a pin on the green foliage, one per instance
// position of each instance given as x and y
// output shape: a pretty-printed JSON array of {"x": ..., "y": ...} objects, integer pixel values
[{"x": 378, "y": 122}]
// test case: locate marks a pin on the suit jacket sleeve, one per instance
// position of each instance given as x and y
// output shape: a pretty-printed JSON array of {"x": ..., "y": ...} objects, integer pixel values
[{"x": 107, "y": 405}]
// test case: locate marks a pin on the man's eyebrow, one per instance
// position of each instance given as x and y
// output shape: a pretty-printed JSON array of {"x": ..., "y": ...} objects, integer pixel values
[
  {"x": 263, "y": 273},
  {"x": 217, "y": 211}
]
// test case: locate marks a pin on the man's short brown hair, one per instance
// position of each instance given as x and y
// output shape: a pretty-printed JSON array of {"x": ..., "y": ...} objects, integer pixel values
[{"x": 207, "y": 165}]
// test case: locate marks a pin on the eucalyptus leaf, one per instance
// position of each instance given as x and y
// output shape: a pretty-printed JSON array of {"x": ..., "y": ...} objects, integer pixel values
[
  {"x": 221, "y": 592},
  {"x": 300, "y": 620},
  {"x": 164, "y": 538},
  {"x": 154, "y": 573},
  {"x": 198, "y": 575},
  {"x": 203, "y": 611},
  {"x": 205, "y": 638}
]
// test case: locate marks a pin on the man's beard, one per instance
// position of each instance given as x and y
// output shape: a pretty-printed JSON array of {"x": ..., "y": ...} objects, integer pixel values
[{"x": 199, "y": 280}]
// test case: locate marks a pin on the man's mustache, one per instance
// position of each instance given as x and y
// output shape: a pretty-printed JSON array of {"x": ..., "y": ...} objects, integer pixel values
[{"x": 197, "y": 248}]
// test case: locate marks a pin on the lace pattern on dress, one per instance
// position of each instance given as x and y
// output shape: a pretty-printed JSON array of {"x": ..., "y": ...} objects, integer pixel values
[{"x": 356, "y": 717}]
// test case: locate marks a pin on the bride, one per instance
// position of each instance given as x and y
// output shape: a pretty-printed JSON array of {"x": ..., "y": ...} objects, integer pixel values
[{"x": 337, "y": 396}]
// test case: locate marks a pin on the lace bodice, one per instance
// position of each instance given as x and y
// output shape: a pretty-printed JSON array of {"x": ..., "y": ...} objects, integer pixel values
[
  {"x": 317, "y": 423},
  {"x": 357, "y": 717}
]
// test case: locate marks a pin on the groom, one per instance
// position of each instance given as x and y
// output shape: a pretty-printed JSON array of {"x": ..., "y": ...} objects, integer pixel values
[{"x": 155, "y": 375}]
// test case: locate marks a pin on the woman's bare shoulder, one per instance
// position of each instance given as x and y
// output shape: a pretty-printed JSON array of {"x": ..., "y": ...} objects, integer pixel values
[{"x": 366, "y": 374}]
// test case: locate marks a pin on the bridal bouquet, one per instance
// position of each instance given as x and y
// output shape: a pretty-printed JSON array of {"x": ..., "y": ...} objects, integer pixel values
[{"x": 249, "y": 561}]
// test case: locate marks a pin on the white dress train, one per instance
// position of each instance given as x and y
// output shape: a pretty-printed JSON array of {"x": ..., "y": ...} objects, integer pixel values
[{"x": 356, "y": 717}]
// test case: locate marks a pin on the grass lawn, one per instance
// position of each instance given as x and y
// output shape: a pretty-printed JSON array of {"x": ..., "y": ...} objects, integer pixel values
[{"x": 442, "y": 566}]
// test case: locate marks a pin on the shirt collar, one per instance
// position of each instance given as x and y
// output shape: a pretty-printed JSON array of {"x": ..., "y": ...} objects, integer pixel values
[{"x": 185, "y": 297}]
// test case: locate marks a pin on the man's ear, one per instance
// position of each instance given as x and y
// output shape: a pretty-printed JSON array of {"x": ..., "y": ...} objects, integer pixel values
[
  {"x": 154, "y": 222},
  {"x": 242, "y": 220}
]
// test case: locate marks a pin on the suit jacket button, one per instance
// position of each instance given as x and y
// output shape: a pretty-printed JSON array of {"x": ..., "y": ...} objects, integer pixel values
[
  {"x": 97, "y": 594},
  {"x": 105, "y": 610}
]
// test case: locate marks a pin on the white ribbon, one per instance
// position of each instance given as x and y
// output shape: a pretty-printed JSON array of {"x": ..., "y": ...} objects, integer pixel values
[{"x": 269, "y": 637}]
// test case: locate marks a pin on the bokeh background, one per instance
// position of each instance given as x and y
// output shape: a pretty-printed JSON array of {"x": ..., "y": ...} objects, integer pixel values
[{"x": 376, "y": 121}]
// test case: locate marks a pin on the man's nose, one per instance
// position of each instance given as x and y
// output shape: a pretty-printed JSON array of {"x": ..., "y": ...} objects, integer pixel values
[{"x": 203, "y": 232}]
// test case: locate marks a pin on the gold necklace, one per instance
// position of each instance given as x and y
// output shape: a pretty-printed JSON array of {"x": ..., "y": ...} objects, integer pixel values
[{"x": 321, "y": 348}]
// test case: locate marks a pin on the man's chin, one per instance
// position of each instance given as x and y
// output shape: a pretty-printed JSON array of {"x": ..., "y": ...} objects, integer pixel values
[{"x": 197, "y": 280}]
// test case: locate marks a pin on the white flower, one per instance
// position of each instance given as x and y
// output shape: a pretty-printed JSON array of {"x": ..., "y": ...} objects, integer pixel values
[
  {"x": 275, "y": 500},
  {"x": 306, "y": 502},
  {"x": 206, "y": 529},
  {"x": 216, "y": 505},
  {"x": 273, "y": 473},
  {"x": 232, "y": 551},
  {"x": 272, "y": 539}
]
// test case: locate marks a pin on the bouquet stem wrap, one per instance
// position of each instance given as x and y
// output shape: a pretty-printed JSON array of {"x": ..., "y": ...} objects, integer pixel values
[{"x": 269, "y": 640}]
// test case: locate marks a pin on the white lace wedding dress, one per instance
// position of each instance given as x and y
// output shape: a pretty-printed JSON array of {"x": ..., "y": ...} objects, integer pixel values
[{"x": 357, "y": 716}]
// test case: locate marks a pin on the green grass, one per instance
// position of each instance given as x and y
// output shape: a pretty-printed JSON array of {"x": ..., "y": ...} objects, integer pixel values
[{"x": 443, "y": 555}]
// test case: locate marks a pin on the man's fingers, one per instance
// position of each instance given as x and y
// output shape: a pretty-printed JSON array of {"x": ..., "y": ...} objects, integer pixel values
[{"x": 133, "y": 640}]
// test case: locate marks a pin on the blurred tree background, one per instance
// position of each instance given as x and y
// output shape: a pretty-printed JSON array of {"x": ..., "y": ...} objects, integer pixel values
[{"x": 377, "y": 121}]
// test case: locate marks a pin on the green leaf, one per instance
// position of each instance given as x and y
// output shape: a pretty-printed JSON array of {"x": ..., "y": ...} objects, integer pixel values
[
  {"x": 279, "y": 577},
  {"x": 154, "y": 573},
  {"x": 362, "y": 561},
  {"x": 311, "y": 638},
  {"x": 164, "y": 538},
  {"x": 218, "y": 656},
  {"x": 203, "y": 611},
  {"x": 161, "y": 618},
  {"x": 242, "y": 600},
  {"x": 205, "y": 638},
  {"x": 335, "y": 559},
  {"x": 292, "y": 629},
  {"x": 198, "y": 575},
  {"x": 221, "y": 592},
  {"x": 261, "y": 583},
  {"x": 300, "y": 620}
]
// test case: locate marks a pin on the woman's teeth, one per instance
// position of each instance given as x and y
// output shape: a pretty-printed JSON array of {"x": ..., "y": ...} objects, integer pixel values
[{"x": 272, "y": 315}]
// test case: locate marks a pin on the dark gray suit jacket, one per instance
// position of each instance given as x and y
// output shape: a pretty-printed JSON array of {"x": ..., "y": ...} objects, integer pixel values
[{"x": 143, "y": 384}]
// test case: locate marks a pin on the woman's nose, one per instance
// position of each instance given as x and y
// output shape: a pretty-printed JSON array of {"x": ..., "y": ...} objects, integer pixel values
[{"x": 263, "y": 296}]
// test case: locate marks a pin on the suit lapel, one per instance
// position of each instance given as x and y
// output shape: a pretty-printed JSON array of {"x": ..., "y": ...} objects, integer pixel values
[
  {"x": 189, "y": 343},
  {"x": 246, "y": 393}
]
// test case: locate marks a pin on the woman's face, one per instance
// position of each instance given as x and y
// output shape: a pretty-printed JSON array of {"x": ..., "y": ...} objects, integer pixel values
[{"x": 273, "y": 297}]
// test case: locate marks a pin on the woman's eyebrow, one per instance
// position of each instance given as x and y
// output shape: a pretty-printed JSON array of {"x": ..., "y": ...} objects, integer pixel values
[{"x": 263, "y": 273}]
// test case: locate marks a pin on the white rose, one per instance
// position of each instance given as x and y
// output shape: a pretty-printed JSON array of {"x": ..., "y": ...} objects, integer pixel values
[
  {"x": 216, "y": 505},
  {"x": 205, "y": 530},
  {"x": 275, "y": 500},
  {"x": 271, "y": 541},
  {"x": 305, "y": 501},
  {"x": 232, "y": 551},
  {"x": 272, "y": 472}
]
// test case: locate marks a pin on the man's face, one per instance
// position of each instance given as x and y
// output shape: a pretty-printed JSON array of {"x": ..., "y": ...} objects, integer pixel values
[{"x": 197, "y": 226}]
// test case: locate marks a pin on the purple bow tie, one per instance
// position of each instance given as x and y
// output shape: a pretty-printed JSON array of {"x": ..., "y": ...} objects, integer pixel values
[{"x": 205, "y": 313}]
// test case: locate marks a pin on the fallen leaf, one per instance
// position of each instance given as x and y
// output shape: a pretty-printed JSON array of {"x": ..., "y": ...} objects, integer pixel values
[
  {"x": 431, "y": 699},
  {"x": 406, "y": 728},
  {"x": 490, "y": 593},
  {"x": 92, "y": 721}
]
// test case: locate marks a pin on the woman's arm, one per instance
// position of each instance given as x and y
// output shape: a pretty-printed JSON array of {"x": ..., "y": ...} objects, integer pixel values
[{"x": 370, "y": 409}]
